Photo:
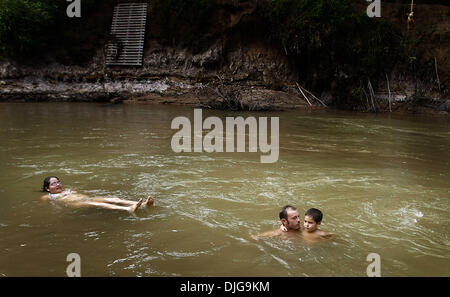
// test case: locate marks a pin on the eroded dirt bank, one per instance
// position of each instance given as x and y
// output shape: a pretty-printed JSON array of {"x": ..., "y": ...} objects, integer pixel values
[{"x": 235, "y": 68}]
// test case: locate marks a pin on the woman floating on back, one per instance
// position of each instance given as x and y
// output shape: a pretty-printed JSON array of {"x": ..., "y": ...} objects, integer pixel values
[{"x": 55, "y": 192}]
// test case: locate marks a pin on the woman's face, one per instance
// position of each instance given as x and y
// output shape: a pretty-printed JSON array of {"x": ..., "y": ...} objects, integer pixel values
[{"x": 55, "y": 186}]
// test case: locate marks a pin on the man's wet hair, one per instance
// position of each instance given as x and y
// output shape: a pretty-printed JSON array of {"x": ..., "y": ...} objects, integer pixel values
[
  {"x": 283, "y": 212},
  {"x": 315, "y": 214},
  {"x": 47, "y": 183}
]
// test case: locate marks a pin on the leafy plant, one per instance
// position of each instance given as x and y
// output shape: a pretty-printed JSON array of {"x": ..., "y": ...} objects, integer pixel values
[
  {"x": 329, "y": 42},
  {"x": 24, "y": 26},
  {"x": 30, "y": 29}
]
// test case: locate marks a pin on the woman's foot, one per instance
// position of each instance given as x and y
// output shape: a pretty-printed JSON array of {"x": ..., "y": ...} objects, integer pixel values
[
  {"x": 149, "y": 201},
  {"x": 133, "y": 208}
]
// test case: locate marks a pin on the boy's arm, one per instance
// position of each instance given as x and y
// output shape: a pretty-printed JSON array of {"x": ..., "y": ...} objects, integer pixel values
[{"x": 325, "y": 235}]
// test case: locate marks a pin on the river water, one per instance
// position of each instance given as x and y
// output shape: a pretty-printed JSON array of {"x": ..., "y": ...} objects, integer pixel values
[{"x": 382, "y": 182}]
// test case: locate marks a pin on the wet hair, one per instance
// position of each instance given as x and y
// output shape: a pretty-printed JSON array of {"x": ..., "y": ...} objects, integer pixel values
[
  {"x": 315, "y": 214},
  {"x": 283, "y": 212},
  {"x": 47, "y": 183}
]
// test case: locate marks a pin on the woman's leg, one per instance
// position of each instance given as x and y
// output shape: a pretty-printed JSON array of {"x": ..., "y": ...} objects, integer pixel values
[
  {"x": 131, "y": 208},
  {"x": 113, "y": 201},
  {"x": 149, "y": 202}
]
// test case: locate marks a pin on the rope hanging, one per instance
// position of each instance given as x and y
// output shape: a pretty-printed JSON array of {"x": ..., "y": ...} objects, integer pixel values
[{"x": 411, "y": 15}]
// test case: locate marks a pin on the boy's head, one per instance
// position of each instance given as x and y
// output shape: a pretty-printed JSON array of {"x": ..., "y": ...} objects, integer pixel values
[
  {"x": 289, "y": 217},
  {"x": 313, "y": 218}
]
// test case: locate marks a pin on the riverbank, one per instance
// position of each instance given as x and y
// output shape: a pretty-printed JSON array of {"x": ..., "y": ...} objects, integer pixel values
[
  {"x": 209, "y": 92},
  {"x": 233, "y": 65}
]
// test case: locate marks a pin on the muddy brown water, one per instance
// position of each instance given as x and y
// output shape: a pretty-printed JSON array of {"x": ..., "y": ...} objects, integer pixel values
[{"x": 382, "y": 182}]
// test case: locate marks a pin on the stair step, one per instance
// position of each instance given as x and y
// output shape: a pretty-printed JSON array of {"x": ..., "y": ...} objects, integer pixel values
[{"x": 128, "y": 28}]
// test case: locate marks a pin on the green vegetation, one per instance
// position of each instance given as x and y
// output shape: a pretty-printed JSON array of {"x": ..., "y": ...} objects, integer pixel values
[
  {"x": 331, "y": 46},
  {"x": 329, "y": 42},
  {"x": 23, "y": 26},
  {"x": 29, "y": 29}
]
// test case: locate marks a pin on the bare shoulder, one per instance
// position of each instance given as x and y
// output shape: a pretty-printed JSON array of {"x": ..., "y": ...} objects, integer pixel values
[
  {"x": 272, "y": 233},
  {"x": 45, "y": 198}
]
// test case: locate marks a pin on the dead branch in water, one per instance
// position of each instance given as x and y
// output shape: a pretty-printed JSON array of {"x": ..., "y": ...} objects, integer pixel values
[
  {"x": 300, "y": 89},
  {"x": 367, "y": 98},
  {"x": 321, "y": 102},
  {"x": 372, "y": 94},
  {"x": 437, "y": 75},
  {"x": 389, "y": 89}
]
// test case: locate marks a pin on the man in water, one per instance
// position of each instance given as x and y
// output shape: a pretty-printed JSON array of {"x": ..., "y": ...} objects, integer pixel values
[
  {"x": 290, "y": 220},
  {"x": 291, "y": 225}
]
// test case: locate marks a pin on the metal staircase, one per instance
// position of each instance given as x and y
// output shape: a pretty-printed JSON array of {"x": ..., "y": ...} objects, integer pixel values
[{"x": 126, "y": 44}]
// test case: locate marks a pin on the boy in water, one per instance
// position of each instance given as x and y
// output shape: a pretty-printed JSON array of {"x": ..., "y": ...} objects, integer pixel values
[
  {"x": 310, "y": 229},
  {"x": 311, "y": 223}
]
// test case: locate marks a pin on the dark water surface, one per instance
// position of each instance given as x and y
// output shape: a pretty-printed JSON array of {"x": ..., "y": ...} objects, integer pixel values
[{"x": 382, "y": 182}]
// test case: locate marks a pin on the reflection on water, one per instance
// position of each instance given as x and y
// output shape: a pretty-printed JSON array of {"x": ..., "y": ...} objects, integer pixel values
[{"x": 381, "y": 181}]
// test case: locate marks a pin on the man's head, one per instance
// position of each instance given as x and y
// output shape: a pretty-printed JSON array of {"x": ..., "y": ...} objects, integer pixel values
[
  {"x": 289, "y": 217},
  {"x": 313, "y": 218}
]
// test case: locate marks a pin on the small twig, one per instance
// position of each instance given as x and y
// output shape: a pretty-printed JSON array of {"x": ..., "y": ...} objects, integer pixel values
[
  {"x": 220, "y": 79},
  {"x": 220, "y": 93}
]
